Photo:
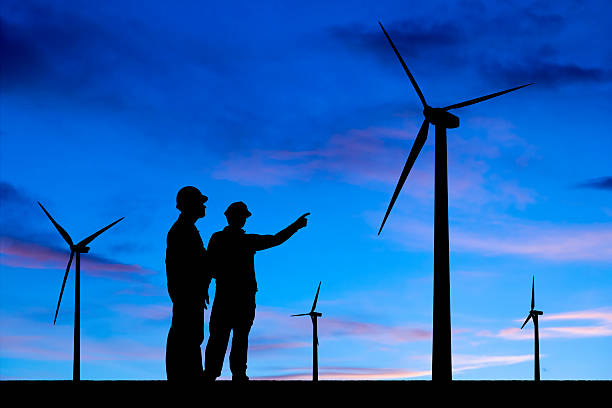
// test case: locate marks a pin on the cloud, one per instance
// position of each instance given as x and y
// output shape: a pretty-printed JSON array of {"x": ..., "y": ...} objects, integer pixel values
[
  {"x": 53, "y": 348},
  {"x": 283, "y": 332},
  {"x": 374, "y": 332},
  {"x": 509, "y": 44},
  {"x": 22, "y": 254},
  {"x": 560, "y": 244},
  {"x": 9, "y": 194},
  {"x": 503, "y": 236},
  {"x": 601, "y": 183},
  {"x": 461, "y": 363},
  {"x": 358, "y": 156},
  {"x": 374, "y": 157},
  {"x": 349, "y": 373},
  {"x": 37, "y": 341},
  {"x": 545, "y": 72},
  {"x": 602, "y": 326},
  {"x": 410, "y": 36}
]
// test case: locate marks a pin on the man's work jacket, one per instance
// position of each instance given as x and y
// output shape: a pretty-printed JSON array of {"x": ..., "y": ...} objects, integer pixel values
[
  {"x": 186, "y": 271},
  {"x": 231, "y": 255}
]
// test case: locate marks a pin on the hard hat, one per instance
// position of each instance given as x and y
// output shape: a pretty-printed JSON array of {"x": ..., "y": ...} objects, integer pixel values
[
  {"x": 189, "y": 194},
  {"x": 238, "y": 208}
]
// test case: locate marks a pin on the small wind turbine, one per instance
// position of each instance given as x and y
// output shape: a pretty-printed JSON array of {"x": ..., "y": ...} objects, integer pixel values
[
  {"x": 442, "y": 120},
  {"x": 533, "y": 314},
  {"x": 315, "y": 338},
  {"x": 78, "y": 249}
]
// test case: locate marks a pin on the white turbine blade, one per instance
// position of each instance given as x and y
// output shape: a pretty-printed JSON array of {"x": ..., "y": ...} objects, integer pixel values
[
  {"x": 419, "y": 141},
  {"x": 315, "y": 299},
  {"x": 63, "y": 285},
  {"x": 59, "y": 228},
  {"x": 93, "y": 236}
]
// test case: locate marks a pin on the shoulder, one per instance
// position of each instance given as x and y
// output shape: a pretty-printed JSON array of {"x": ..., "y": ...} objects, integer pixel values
[
  {"x": 216, "y": 236},
  {"x": 182, "y": 230}
]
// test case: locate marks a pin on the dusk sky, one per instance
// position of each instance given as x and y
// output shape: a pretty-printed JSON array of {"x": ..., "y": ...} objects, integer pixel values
[{"x": 108, "y": 108}]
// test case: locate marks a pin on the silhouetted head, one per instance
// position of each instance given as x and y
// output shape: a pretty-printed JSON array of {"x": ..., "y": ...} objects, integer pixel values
[
  {"x": 190, "y": 201},
  {"x": 236, "y": 214}
]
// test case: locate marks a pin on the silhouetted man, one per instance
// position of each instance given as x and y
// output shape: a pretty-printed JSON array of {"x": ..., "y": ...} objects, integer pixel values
[
  {"x": 231, "y": 255},
  {"x": 188, "y": 281}
]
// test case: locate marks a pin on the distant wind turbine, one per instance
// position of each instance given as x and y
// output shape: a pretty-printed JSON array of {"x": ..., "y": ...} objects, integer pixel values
[
  {"x": 442, "y": 120},
  {"x": 315, "y": 338},
  {"x": 533, "y": 314},
  {"x": 78, "y": 249}
]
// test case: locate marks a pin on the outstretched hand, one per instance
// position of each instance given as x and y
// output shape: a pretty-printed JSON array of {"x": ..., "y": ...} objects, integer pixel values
[{"x": 302, "y": 221}]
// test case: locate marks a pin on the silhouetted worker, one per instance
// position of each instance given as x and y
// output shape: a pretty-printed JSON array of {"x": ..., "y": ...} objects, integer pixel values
[
  {"x": 188, "y": 281},
  {"x": 231, "y": 255}
]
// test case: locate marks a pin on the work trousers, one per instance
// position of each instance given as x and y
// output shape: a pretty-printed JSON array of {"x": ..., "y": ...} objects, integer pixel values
[
  {"x": 183, "y": 353},
  {"x": 229, "y": 313}
]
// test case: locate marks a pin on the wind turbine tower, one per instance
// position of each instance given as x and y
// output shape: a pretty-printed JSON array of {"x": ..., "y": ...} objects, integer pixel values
[
  {"x": 315, "y": 338},
  {"x": 533, "y": 314},
  {"x": 78, "y": 249},
  {"x": 442, "y": 119}
]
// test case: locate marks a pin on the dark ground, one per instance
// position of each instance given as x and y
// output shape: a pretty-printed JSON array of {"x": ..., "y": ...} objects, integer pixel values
[{"x": 301, "y": 393}]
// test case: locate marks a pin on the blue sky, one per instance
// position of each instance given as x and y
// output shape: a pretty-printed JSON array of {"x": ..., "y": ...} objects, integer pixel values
[{"x": 109, "y": 108}]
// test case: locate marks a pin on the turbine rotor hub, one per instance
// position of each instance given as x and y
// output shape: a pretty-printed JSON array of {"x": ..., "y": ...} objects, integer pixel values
[
  {"x": 440, "y": 117},
  {"x": 80, "y": 249}
]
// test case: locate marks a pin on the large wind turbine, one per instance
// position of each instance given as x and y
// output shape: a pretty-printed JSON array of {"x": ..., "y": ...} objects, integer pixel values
[
  {"x": 78, "y": 249},
  {"x": 442, "y": 120},
  {"x": 315, "y": 338},
  {"x": 533, "y": 314}
]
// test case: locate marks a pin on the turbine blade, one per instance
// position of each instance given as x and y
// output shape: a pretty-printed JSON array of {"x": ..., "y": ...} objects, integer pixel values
[
  {"x": 59, "y": 228},
  {"x": 533, "y": 293},
  {"x": 301, "y": 314},
  {"x": 416, "y": 149},
  {"x": 93, "y": 236},
  {"x": 482, "y": 98},
  {"x": 63, "y": 285},
  {"x": 414, "y": 84},
  {"x": 315, "y": 299},
  {"x": 526, "y": 320}
]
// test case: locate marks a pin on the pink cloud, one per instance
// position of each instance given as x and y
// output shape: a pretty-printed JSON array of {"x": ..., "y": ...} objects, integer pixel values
[
  {"x": 601, "y": 328},
  {"x": 460, "y": 363},
  {"x": 36, "y": 341},
  {"x": 359, "y": 156},
  {"x": 285, "y": 327},
  {"x": 33, "y": 348},
  {"x": 556, "y": 243},
  {"x": 559, "y": 243},
  {"x": 21, "y": 254},
  {"x": 373, "y": 332},
  {"x": 375, "y": 156},
  {"x": 350, "y": 373}
]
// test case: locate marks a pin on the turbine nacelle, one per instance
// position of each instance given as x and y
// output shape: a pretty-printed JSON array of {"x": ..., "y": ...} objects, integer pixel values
[
  {"x": 435, "y": 116},
  {"x": 441, "y": 117},
  {"x": 79, "y": 249}
]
